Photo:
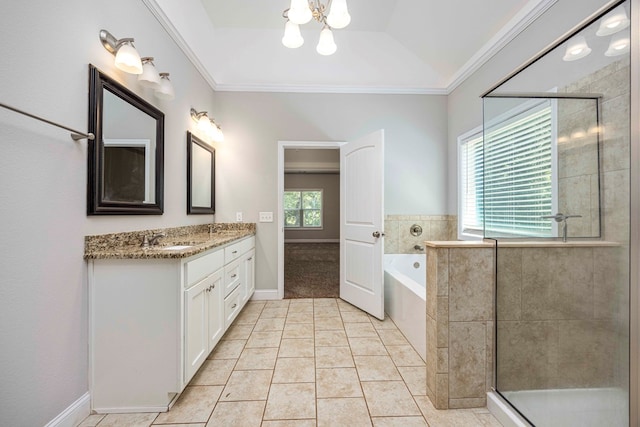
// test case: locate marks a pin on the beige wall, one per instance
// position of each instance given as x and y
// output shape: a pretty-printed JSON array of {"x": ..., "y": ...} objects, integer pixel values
[
  {"x": 330, "y": 184},
  {"x": 253, "y": 123}
]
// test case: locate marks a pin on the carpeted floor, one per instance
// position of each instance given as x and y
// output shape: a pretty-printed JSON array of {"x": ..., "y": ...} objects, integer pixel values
[{"x": 312, "y": 270}]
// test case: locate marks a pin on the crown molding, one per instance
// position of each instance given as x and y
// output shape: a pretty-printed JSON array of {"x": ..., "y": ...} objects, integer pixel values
[
  {"x": 510, "y": 31},
  {"x": 329, "y": 89},
  {"x": 173, "y": 32}
]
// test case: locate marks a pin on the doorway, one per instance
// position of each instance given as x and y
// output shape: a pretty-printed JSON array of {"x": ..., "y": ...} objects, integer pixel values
[
  {"x": 310, "y": 208},
  {"x": 361, "y": 218}
]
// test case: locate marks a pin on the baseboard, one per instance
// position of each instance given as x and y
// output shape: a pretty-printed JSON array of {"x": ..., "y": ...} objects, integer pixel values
[
  {"x": 74, "y": 414},
  {"x": 265, "y": 294},
  {"x": 312, "y": 240}
]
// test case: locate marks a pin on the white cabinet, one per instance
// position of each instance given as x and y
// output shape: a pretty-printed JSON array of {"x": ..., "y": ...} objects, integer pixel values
[
  {"x": 204, "y": 321},
  {"x": 153, "y": 322},
  {"x": 248, "y": 275}
]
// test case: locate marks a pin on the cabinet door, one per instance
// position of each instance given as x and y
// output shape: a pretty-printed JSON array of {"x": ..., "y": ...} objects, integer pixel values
[
  {"x": 196, "y": 325},
  {"x": 249, "y": 275},
  {"x": 216, "y": 308}
]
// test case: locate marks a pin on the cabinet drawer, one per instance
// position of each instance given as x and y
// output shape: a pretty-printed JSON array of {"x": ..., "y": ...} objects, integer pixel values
[
  {"x": 200, "y": 268},
  {"x": 233, "y": 251},
  {"x": 232, "y": 276},
  {"x": 231, "y": 307}
]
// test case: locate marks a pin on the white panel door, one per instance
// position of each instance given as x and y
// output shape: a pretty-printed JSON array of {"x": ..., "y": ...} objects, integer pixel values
[
  {"x": 361, "y": 223},
  {"x": 196, "y": 324},
  {"x": 215, "y": 302}
]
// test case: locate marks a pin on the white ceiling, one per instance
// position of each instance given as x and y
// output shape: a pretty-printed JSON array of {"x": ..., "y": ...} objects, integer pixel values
[{"x": 391, "y": 46}]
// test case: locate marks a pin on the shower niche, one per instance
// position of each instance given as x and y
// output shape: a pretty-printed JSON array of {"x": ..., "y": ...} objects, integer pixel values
[{"x": 556, "y": 200}]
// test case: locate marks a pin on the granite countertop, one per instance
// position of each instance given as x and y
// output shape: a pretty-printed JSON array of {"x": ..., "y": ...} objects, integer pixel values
[{"x": 198, "y": 238}]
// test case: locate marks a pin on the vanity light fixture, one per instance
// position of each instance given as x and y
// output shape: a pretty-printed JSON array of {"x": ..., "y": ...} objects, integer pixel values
[
  {"x": 127, "y": 57},
  {"x": 207, "y": 125},
  {"x": 577, "y": 48},
  {"x": 620, "y": 44},
  {"x": 614, "y": 21},
  {"x": 300, "y": 12},
  {"x": 149, "y": 76},
  {"x": 165, "y": 91}
]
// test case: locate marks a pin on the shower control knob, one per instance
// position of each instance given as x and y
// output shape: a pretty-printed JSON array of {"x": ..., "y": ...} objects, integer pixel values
[{"x": 377, "y": 234}]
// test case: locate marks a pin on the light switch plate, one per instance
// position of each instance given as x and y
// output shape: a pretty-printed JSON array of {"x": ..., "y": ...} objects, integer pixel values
[
  {"x": 266, "y": 216},
  {"x": 239, "y": 216}
]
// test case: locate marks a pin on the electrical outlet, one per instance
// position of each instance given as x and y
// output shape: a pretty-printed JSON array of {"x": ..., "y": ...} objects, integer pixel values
[
  {"x": 239, "y": 216},
  {"x": 266, "y": 216}
]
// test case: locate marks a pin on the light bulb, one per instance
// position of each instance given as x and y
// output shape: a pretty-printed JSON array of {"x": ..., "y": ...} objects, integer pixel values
[
  {"x": 339, "y": 14},
  {"x": 299, "y": 12},
  {"x": 292, "y": 37},
  {"x": 204, "y": 124},
  {"x": 216, "y": 134},
  {"x": 619, "y": 44},
  {"x": 128, "y": 59},
  {"x": 614, "y": 21},
  {"x": 576, "y": 48},
  {"x": 149, "y": 76},
  {"x": 165, "y": 91},
  {"x": 326, "y": 45}
]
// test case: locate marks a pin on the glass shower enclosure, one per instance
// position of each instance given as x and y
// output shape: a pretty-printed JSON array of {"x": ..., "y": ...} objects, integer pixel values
[{"x": 555, "y": 197}]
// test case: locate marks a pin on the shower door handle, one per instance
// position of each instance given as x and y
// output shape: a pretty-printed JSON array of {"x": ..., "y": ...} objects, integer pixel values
[{"x": 377, "y": 234}]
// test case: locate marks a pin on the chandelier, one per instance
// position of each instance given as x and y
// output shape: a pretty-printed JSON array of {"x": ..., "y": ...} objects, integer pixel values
[{"x": 300, "y": 12}]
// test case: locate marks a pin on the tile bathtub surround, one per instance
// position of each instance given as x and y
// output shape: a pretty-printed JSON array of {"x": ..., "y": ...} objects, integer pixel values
[
  {"x": 399, "y": 240},
  {"x": 326, "y": 364},
  {"x": 200, "y": 237}
]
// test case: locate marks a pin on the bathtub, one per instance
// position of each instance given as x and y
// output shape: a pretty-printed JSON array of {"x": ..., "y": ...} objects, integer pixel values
[{"x": 405, "y": 298}]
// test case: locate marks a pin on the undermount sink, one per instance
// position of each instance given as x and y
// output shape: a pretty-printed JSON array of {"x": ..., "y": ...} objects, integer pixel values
[{"x": 176, "y": 248}]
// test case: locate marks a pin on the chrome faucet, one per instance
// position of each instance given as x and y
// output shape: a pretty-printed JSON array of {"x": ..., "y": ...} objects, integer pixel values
[
  {"x": 418, "y": 248},
  {"x": 151, "y": 241},
  {"x": 560, "y": 217}
]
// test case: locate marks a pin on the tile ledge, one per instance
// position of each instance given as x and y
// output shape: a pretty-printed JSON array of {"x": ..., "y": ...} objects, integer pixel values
[{"x": 521, "y": 244}]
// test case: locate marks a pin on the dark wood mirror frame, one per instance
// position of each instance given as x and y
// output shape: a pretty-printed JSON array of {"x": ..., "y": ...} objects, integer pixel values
[
  {"x": 192, "y": 141},
  {"x": 96, "y": 202}
]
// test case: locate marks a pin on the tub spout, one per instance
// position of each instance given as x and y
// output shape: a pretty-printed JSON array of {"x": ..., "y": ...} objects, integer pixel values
[{"x": 418, "y": 248}]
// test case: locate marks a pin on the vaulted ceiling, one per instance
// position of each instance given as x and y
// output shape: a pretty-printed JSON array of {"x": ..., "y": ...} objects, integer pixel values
[{"x": 391, "y": 46}]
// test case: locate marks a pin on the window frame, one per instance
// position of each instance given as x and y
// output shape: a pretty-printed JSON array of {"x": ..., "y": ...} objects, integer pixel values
[
  {"x": 505, "y": 119},
  {"x": 301, "y": 210}
]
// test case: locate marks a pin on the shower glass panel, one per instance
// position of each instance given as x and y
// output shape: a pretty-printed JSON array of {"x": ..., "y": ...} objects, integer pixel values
[
  {"x": 555, "y": 195},
  {"x": 541, "y": 157}
]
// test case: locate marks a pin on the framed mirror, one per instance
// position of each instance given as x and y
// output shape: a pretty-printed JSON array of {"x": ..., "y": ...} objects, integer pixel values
[
  {"x": 201, "y": 188},
  {"x": 126, "y": 160}
]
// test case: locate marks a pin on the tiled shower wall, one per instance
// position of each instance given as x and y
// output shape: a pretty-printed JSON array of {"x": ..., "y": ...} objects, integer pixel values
[{"x": 399, "y": 240}]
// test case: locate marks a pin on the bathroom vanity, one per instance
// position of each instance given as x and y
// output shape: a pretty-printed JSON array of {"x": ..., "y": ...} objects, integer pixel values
[{"x": 156, "y": 313}]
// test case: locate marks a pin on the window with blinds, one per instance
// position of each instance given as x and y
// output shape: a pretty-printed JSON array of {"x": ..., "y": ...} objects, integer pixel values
[{"x": 507, "y": 177}]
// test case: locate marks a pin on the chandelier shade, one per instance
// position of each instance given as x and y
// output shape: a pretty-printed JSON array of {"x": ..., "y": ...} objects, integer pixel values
[
  {"x": 300, "y": 12},
  {"x": 292, "y": 37}
]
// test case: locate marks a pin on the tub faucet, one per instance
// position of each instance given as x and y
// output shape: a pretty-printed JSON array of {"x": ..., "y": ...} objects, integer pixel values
[
  {"x": 418, "y": 248},
  {"x": 560, "y": 217}
]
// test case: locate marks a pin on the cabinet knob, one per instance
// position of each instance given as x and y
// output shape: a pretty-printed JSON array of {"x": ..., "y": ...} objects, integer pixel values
[
  {"x": 234, "y": 252},
  {"x": 234, "y": 306},
  {"x": 249, "y": 259},
  {"x": 233, "y": 276}
]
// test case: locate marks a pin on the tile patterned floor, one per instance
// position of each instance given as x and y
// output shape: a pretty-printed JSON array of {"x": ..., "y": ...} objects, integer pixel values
[{"x": 306, "y": 362}]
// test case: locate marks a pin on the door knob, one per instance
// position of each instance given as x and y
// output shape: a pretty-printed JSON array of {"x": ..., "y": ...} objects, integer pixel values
[{"x": 377, "y": 234}]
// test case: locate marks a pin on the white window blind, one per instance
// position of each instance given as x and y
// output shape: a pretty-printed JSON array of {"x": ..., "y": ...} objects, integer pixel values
[
  {"x": 507, "y": 181},
  {"x": 471, "y": 172}
]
